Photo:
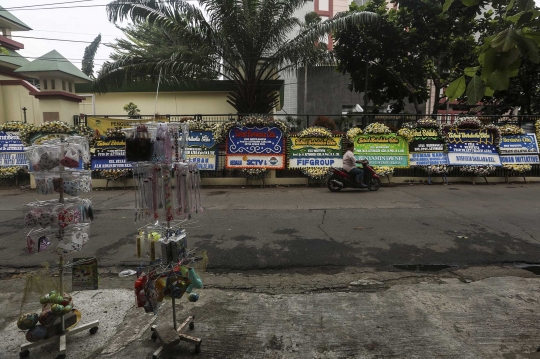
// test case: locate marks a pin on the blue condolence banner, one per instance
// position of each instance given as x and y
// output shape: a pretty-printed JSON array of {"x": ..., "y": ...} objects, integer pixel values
[
  {"x": 11, "y": 150},
  {"x": 110, "y": 164},
  {"x": 255, "y": 147},
  {"x": 428, "y": 159},
  {"x": 519, "y": 149},
  {"x": 519, "y": 144},
  {"x": 468, "y": 147},
  {"x": 202, "y": 148},
  {"x": 13, "y": 159},
  {"x": 520, "y": 160},
  {"x": 109, "y": 154}
]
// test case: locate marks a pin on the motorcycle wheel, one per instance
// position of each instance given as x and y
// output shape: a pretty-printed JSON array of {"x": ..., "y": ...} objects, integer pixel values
[
  {"x": 374, "y": 184},
  {"x": 332, "y": 186}
]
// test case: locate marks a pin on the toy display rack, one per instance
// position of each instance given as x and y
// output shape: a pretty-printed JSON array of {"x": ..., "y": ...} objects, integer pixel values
[
  {"x": 92, "y": 326},
  {"x": 170, "y": 336}
]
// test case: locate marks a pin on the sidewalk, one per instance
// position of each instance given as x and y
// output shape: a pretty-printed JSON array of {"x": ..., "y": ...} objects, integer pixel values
[{"x": 438, "y": 317}]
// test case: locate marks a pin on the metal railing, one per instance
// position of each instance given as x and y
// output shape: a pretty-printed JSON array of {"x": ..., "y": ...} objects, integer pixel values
[{"x": 343, "y": 122}]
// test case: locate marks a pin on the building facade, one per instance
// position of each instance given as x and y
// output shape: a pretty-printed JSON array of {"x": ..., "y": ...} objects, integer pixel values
[{"x": 35, "y": 91}]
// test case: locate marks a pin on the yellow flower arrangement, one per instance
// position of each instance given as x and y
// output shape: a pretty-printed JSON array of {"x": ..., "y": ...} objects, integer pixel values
[
  {"x": 353, "y": 132},
  {"x": 13, "y": 126},
  {"x": 45, "y": 128},
  {"x": 518, "y": 168},
  {"x": 316, "y": 173},
  {"x": 537, "y": 127},
  {"x": 377, "y": 128},
  {"x": 383, "y": 171},
  {"x": 315, "y": 131},
  {"x": 113, "y": 175},
  {"x": 480, "y": 171},
  {"x": 511, "y": 130},
  {"x": 10, "y": 172},
  {"x": 407, "y": 133}
]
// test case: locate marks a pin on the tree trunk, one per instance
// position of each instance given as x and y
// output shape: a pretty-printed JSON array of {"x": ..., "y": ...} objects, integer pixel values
[{"x": 437, "y": 86}]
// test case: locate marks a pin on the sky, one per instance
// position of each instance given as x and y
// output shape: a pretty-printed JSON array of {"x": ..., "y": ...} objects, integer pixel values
[{"x": 72, "y": 23}]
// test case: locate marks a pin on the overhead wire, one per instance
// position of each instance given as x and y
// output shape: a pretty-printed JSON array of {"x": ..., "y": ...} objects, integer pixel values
[
  {"x": 40, "y": 7},
  {"x": 56, "y": 3}
]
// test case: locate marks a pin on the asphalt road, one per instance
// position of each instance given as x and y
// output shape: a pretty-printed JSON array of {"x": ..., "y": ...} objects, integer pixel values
[{"x": 256, "y": 228}]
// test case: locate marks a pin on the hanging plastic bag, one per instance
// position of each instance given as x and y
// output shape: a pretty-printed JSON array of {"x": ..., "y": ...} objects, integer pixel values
[{"x": 139, "y": 147}]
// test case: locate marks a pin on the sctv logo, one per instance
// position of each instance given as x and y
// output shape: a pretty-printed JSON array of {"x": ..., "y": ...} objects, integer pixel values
[{"x": 256, "y": 162}]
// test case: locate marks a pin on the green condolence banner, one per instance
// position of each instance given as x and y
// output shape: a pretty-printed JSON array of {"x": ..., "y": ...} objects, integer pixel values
[{"x": 382, "y": 150}]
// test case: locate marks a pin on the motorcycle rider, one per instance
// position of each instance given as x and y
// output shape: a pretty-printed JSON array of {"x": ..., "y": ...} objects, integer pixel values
[{"x": 349, "y": 165}]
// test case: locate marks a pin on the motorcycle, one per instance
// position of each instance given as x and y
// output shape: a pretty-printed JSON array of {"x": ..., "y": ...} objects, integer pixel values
[{"x": 340, "y": 179}]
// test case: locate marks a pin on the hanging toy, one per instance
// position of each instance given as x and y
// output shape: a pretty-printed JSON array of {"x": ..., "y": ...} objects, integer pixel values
[
  {"x": 196, "y": 281},
  {"x": 27, "y": 321}
]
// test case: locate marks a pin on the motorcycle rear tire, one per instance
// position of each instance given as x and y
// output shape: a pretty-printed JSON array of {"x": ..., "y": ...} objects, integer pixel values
[
  {"x": 374, "y": 184},
  {"x": 331, "y": 186}
]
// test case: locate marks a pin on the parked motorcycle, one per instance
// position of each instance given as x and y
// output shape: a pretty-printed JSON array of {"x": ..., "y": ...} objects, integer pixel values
[{"x": 340, "y": 179}]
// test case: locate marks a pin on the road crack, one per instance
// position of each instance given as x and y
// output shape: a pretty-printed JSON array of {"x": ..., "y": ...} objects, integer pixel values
[{"x": 322, "y": 223}]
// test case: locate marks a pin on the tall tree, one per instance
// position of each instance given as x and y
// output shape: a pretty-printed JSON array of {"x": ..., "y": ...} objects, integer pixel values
[
  {"x": 246, "y": 42},
  {"x": 524, "y": 89},
  {"x": 416, "y": 44},
  {"x": 500, "y": 55},
  {"x": 89, "y": 56}
]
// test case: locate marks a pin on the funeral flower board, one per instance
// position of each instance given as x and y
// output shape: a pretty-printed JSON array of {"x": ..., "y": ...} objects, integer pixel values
[
  {"x": 11, "y": 150},
  {"x": 202, "y": 148},
  {"x": 427, "y": 148},
  {"x": 519, "y": 149},
  {"x": 109, "y": 154},
  {"x": 255, "y": 147},
  {"x": 311, "y": 152},
  {"x": 472, "y": 147},
  {"x": 382, "y": 149}
]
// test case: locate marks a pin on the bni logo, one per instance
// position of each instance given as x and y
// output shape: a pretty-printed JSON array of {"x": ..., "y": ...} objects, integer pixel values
[{"x": 273, "y": 161}]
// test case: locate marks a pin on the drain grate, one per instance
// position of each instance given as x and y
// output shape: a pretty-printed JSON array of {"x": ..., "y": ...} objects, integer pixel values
[{"x": 423, "y": 267}]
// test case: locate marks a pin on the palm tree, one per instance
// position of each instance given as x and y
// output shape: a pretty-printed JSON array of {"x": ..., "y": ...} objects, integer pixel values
[{"x": 245, "y": 41}]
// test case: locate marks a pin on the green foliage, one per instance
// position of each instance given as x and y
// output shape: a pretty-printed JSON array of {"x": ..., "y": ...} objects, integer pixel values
[
  {"x": 247, "y": 42},
  {"x": 414, "y": 44},
  {"x": 511, "y": 36},
  {"x": 132, "y": 109},
  {"x": 89, "y": 56}
]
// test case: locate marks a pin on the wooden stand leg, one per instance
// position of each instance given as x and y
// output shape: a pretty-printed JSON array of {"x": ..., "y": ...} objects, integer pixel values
[
  {"x": 183, "y": 337},
  {"x": 92, "y": 326}
]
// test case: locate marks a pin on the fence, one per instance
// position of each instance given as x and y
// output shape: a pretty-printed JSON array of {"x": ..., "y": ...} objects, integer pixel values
[{"x": 343, "y": 123}]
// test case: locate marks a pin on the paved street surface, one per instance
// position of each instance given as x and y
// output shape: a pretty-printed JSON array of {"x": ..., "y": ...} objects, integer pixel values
[
  {"x": 406, "y": 272},
  {"x": 255, "y": 228}
]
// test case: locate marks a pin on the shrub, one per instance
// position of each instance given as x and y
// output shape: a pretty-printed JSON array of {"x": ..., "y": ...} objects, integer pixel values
[{"x": 326, "y": 122}]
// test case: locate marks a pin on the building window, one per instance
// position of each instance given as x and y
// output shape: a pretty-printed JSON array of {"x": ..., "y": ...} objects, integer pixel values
[
  {"x": 51, "y": 116},
  {"x": 324, "y": 5},
  {"x": 70, "y": 88},
  {"x": 53, "y": 85},
  {"x": 63, "y": 85},
  {"x": 45, "y": 84}
]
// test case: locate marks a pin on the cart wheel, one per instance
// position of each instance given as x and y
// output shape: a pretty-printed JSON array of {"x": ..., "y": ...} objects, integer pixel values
[
  {"x": 24, "y": 353},
  {"x": 154, "y": 336},
  {"x": 191, "y": 326},
  {"x": 197, "y": 349},
  {"x": 61, "y": 356}
]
